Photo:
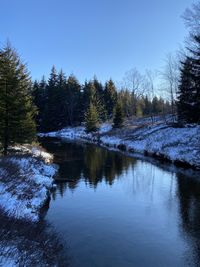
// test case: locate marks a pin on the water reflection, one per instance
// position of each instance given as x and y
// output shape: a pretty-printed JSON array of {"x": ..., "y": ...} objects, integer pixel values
[
  {"x": 120, "y": 211},
  {"x": 88, "y": 162},
  {"x": 188, "y": 191}
]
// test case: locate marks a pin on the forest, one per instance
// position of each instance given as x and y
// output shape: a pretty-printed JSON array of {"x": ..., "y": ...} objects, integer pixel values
[
  {"x": 28, "y": 106},
  {"x": 99, "y": 168}
]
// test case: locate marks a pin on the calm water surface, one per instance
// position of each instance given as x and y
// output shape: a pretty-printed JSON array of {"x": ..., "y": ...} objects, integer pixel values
[{"x": 113, "y": 210}]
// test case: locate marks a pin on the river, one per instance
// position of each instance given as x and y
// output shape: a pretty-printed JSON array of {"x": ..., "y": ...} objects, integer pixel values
[{"x": 112, "y": 210}]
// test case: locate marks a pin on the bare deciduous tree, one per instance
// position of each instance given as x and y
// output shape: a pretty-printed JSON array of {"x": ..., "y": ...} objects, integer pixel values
[
  {"x": 170, "y": 76},
  {"x": 134, "y": 81},
  {"x": 150, "y": 79}
]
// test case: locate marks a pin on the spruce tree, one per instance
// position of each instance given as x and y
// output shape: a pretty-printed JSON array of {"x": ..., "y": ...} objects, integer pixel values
[
  {"x": 196, "y": 72},
  {"x": 157, "y": 105},
  {"x": 91, "y": 119},
  {"x": 110, "y": 97},
  {"x": 53, "y": 101},
  {"x": 100, "y": 100},
  {"x": 185, "y": 93},
  {"x": 72, "y": 100},
  {"x": 17, "y": 112},
  {"x": 118, "y": 119},
  {"x": 147, "y": 106},
  {"x": 61, "y": 100},
  {"x": 91, "y": 95},
  {"x": 40, "y": 100},
  {"x": 189, "y": 87}
]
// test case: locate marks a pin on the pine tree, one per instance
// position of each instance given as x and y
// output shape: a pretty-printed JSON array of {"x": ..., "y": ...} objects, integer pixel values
[
  {"x": 195, "y": 102},
  {"x": 157, "y": 105},
  {"x": 139, "y": 107},
  {"x": 189, "y": 87},
  {"x": 51, "y": 112},
  {"x": 91, "y": 95},
  {"x": 72, "y": 100},
  {"x": 100, "y": 100},
  {"x": 118, "y": 116},
  {"x": 147, "y": 106},
  {"x": 17, "y": 112},
  {"x": 110, "y": 97},
  {"x": 40, "y": 100},
  {"x": 185, "y": 92},
  {"x": 125, "y": 97},
  {"x": 61, "y": 98},
  {"x": 91, "y": 119}
]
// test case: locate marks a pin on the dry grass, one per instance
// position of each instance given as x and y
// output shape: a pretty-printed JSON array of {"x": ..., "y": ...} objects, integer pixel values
[{"x": 12, "y": 172}]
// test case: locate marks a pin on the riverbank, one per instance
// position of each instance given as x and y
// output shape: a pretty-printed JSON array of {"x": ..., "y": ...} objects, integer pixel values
[
  {"x": 26, "y": 178},
  {"x": 161, "y": 139}
]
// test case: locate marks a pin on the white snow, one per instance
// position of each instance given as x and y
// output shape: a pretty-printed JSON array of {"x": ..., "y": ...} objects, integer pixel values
[
  {"x": 8, "y": 261},
  {"x": 24, "y": 186},
  {"x": 175, "y": 144},
  {"x": 39, "y": 153},
  {"x": 34, "y": 151},
  {"x": 105, "y": 127},
  {"x": 76, "y": 132}
]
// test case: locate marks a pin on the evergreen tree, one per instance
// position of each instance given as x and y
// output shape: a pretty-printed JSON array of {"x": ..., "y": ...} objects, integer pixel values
[
  {"x": 61, "y": 98},
  {"x": 118, "y": 116},
  {"x": 99, "y": 87},
  {"x": 51, "y": 122},
  {"x": 91, "y": 96},
  {"x": 157, "y": 105},
  {"x": 100, "y": 100},
  {"x": 91, "y": 119},
  {"x": 139, "y": 107},
  {"x": 189, "y": 87},
  {"x": 195, "y": 101},
  {"x": 147, "y": 106},
  {"x": 110, "y": 97},
  {"x": 186, "y": 96},
  {"x": 40, "y": 100},
  {"x": 17, "y": 112},
  {"x": 72, "y": 101},
  {"x": 125, "y": 97}
]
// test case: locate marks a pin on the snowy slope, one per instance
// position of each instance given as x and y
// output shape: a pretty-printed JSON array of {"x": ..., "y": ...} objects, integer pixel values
[
  {"x": 175, "y": 144},
  {"x": 24, "y": 186},
  {"x": 160, "y": 139}
]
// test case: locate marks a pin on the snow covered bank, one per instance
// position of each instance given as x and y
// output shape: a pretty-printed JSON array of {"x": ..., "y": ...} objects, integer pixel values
[
  {"x": 180, "y": 145},
  {"x": 34, "y": 151},
  {"x": 25, "y": 182},
  {"x": 76, "y": 132}
]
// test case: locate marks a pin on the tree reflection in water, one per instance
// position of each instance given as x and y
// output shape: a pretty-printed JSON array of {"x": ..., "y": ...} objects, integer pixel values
[
  {"x": 86, "y": 162},
  {"x": 174, "y": 193},
  {"x": 188, "y": 191}
]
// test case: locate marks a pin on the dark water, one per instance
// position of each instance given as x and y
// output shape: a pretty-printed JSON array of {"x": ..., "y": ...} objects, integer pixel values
[{"x": 113, "y": 210}]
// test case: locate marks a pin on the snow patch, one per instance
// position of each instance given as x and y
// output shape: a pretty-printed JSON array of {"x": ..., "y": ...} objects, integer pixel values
[
  {"x": 161, "y": 139},
  {"x": 24, "y": 186}
]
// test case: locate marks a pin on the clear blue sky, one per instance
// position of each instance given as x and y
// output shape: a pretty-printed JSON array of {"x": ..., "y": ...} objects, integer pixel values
[{"x": 87, "y": 37}]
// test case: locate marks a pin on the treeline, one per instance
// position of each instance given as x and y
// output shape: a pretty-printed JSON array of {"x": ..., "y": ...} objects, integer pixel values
[{"x": 62, "y": 101}]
